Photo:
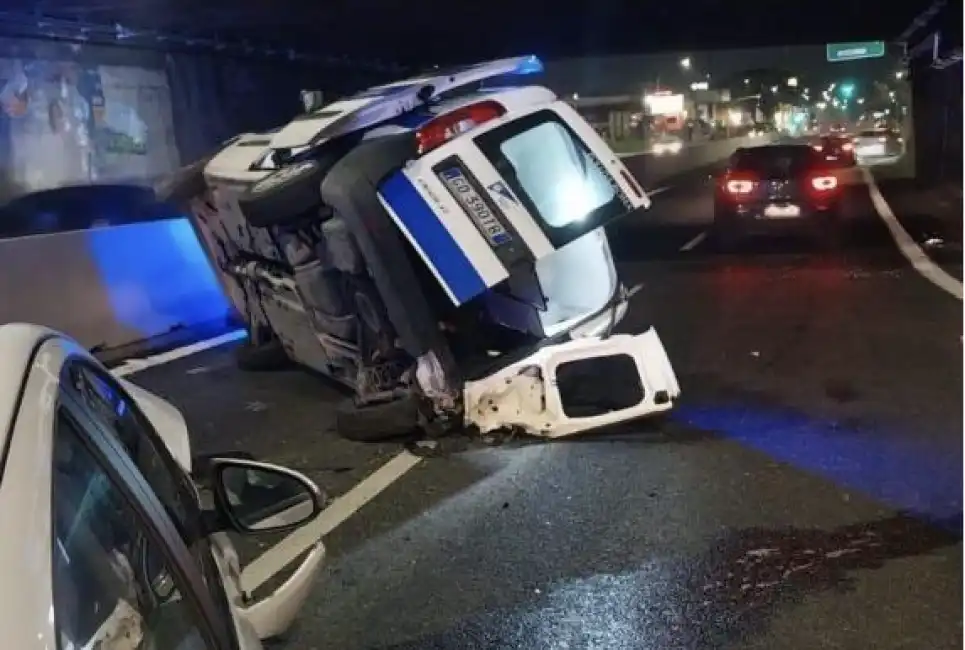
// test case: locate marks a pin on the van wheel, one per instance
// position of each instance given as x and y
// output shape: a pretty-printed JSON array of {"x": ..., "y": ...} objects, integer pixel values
[
  {"x": 377, "y": 422},
  {"x": 283, "y": 196},
  {"x": 264, "y": 357}
]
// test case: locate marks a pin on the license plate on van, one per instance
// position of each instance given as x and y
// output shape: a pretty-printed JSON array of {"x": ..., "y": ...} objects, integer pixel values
[{"x": 474, "y": 204}]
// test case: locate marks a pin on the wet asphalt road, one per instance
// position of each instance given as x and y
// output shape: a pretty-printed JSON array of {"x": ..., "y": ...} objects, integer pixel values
[{"x": 805, "y": 494}]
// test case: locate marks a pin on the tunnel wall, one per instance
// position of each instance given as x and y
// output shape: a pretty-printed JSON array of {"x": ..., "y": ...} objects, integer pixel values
[
  {"x": 82, "y": 126},
  {"x": 937, "y": 107},
  {"x": 114, "y": 286}
]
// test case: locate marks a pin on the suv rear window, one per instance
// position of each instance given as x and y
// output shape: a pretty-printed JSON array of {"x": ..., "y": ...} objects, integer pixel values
[
  {"x": 553, "y": 171},
  {"x": 775, "y": 160}
]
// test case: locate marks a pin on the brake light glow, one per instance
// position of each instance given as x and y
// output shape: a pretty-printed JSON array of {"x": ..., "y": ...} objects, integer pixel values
[
  {"x": 739, "y": 186},
  {"x": 446, "y": 127},
  {"x": 817, "y": 147},
  {"x": 824, "y": 183},
  {"x": 847, "y": 146}
]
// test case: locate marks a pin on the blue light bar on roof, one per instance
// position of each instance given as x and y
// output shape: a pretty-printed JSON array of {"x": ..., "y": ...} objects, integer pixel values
[{"x": 530, "y": 65}]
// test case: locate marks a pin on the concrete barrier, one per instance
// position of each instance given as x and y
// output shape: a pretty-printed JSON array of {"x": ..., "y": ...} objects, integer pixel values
[
  {"x": 111, "y": 287},
  {"x": 651, "y": 170}
]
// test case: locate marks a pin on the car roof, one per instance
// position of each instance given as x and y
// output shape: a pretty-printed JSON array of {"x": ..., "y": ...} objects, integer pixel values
[
  {"x": 18, "y": 341},
  {"x": 18, "y": 344}
]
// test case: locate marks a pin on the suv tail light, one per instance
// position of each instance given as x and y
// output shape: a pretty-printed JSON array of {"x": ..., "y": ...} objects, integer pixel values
[
  {"x": 824, "y": 183},
  {"x": 739, "y": 185},
  {"x": 445, "y": 127}
]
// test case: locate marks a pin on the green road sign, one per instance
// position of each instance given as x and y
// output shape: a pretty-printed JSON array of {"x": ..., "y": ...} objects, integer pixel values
[{"x": 853, "y": 51}]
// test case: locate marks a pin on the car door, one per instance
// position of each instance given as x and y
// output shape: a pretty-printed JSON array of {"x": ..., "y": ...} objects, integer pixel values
[
  {"x": 120, "y": 413},
  {"x": 514, "y": 190},
  {"x": 108, "y": 411},
  {"x": 121, "y": 578}
]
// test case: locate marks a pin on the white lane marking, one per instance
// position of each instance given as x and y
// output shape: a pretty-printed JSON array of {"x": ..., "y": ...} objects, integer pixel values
[
  {"x": 131, "y": 366},
  {"x": 284, "y": 552},
  {"x": 276, "y": 558},
  {"x": 694, "y": 243},
  {"x": 907, "y": 245}
]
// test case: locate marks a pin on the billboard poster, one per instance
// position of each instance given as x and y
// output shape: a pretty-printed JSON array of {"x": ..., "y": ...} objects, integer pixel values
[{"x": 63, "y": 123}]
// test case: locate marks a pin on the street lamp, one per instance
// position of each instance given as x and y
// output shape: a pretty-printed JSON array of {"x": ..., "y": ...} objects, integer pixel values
[
  {"x": 685, "y": 63},
  {"x": 792, "y": 82},
  {"x": 774, "y": 89},
  {"x": 860, "y": 100}
]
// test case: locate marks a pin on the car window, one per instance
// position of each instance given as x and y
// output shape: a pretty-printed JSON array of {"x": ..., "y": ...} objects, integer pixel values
[
  {"x": 544, "y": 155},
  {"x": 117, "y": 412},
  {"x": 554, "y": 172},
  {"x": 112, "y": 586}
]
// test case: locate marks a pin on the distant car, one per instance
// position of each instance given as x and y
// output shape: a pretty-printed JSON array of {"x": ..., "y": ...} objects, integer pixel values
[
  {"x": 838, "y": 129},
  {"x": 105, "y": 539},
  {"x": 776, "y": 186},
  {"x": 877, "y": 143},
  {"x": 761, "y": 129},
  {"x": 667, "y": 144},
  {"x": 837, "y": 150}
]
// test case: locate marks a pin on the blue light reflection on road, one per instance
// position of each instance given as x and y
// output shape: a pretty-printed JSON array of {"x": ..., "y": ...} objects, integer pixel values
[{"x": 899, "y": 469}]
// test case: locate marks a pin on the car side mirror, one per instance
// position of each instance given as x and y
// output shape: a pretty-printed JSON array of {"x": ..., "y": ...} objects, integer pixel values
[{"x": 256, "y": 497}]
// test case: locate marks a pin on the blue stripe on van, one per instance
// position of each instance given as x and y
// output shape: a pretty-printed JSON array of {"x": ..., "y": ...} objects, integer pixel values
[{"x": 450, "y": 262}]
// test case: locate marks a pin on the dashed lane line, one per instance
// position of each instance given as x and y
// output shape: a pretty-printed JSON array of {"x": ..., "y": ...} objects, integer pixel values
[
  {"x": 694, "y": 243},
  {"x": 276, "y": 558}
]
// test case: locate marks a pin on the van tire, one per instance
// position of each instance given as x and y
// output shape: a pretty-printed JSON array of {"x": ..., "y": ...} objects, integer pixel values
[
  {"x": 377, "y": 422},
  {"x": 284, "y": 196}
]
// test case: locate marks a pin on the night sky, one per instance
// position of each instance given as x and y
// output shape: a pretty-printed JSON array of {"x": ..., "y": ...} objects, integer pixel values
[{"x": 425, "y": 32}]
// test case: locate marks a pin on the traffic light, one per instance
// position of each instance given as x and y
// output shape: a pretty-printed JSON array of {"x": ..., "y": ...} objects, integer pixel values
[{"x": 847, "y": 90}]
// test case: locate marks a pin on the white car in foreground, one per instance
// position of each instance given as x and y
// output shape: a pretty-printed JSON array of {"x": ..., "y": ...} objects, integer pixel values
[{"x": 104, "y": 541}]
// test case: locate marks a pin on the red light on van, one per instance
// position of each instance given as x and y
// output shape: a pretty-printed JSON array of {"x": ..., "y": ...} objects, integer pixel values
[{"x": 446, "y": 127}]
